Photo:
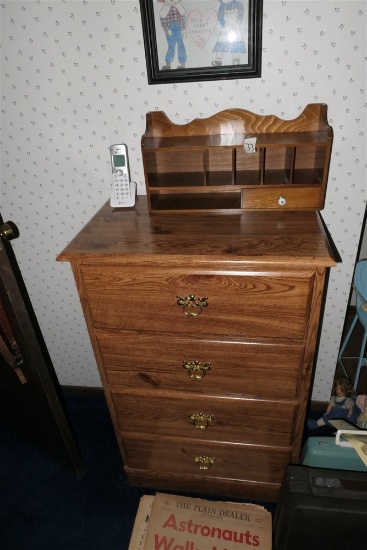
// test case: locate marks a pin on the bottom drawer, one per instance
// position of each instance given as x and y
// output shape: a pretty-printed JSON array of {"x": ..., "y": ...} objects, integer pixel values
[
  {"x": 196, "y": 484},
  {"x": 180, "y": 456}
]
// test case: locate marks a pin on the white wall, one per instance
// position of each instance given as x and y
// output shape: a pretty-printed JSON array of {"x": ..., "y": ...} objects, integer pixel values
[
  {"x": 73, "y": 79},
  {"x": 363, "y": 241},
  {"x": 363, "y": 253}
]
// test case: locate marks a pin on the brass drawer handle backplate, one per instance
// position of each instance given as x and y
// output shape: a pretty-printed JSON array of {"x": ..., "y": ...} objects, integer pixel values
[
  {"x": 203, "y": 462},
  {"x": 200, "y": 420},
  {"x": 196, "y": 369},
  {"x": 192, "y": 306}
]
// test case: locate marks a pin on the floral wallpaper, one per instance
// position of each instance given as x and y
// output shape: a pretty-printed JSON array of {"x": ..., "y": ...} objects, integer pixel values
[{"x": 74, "y": 81}]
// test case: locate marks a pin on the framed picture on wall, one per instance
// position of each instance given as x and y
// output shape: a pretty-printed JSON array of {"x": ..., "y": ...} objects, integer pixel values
[{"x": 196, "y": 40}]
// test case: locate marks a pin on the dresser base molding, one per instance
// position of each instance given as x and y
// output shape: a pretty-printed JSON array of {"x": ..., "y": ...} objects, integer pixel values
[{"x": 217, "y": 487}]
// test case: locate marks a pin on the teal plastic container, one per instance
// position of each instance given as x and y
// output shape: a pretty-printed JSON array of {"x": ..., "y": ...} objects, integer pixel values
[{"x": 322, "y": 452}]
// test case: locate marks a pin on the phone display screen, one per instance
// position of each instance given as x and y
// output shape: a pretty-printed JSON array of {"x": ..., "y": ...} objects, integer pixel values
[{"x": 119, "y": 161}]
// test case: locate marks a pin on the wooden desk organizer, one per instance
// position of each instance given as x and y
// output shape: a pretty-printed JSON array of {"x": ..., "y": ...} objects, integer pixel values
[{"x": 203, "y": 165}]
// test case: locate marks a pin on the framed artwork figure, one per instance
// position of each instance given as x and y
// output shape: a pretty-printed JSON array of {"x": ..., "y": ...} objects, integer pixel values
[{"x": 195, "y": 40}]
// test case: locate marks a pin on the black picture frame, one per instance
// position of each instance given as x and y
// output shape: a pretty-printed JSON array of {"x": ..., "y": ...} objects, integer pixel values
[{"x": 203, "y": 40}]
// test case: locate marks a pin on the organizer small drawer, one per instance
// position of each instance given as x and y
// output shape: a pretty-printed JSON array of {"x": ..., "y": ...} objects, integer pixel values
[
  {"x": 251, "y": 305},
  {"x": 183, "y": 457},
  {"x": 225, "y": 367},
  {"x": 283, "y": 198},
  {"x": 205, "y": 418}
]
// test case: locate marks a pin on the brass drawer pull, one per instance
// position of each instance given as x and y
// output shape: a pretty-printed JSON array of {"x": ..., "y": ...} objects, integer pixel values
[
  {"x": 196, "y": 369},
  {"x": 200, "y": 420},
  {"x": 203, "y": 462},
  {"x": 192, "y": 305}
]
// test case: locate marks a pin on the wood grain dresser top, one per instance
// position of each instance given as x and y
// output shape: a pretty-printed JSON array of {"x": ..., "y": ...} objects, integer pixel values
[{"x": 296, "y": 238}]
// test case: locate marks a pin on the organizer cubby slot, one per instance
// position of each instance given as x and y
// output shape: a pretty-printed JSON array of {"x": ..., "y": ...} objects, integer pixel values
[
  {"x": 220, "y": 166},
  {"x": 249, "y": 167},
  {"x": 183, "y": 202},
  {"x": 309, "y": 165},
  {"x": 175, "y": 168},
  {"x": 278, "y": 165}
]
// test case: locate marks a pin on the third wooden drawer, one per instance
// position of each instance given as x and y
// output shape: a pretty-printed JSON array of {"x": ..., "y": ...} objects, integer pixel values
[{"x": 225, "y": 419}]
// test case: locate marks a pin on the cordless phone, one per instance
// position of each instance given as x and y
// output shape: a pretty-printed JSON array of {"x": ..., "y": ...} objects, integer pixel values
[{"x": 122, "y": 190}]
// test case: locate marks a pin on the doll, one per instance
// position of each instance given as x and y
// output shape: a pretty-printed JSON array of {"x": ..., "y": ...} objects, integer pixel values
[
  {"x": 341, "y": 404},
  {"x": 362, "y": 405},
  {"x": 230, "y": 41}
]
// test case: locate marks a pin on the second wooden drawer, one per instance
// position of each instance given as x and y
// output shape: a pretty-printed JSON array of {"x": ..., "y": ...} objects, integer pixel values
[
  {"x": 154, "y": 360},
  {"x": 207, "y": 418}
]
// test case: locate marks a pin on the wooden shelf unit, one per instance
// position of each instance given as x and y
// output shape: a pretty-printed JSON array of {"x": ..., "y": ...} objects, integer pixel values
[
  {"x": 203, "y": 166},
  {"x": 204, "y": 327}
]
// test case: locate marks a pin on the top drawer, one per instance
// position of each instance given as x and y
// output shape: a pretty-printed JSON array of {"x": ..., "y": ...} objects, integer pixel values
[{"x": 243, "y": 305}]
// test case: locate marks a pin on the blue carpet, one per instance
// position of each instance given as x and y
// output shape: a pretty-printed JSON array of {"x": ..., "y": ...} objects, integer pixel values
[{"x": 45, "y": 507}]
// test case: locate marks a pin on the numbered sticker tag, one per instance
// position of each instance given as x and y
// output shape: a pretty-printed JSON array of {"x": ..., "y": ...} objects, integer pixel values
[{"x": 250, "y": 145}]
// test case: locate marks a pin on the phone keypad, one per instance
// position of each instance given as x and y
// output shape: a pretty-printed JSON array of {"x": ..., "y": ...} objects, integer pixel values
[{"x": 121, "y": 186}]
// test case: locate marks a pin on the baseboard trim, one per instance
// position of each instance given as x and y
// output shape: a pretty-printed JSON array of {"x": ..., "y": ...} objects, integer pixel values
[
  {"x": 317, "y": 405},
  {"x": 82, "y": 390},
  {"x": 99, "y": 391}
]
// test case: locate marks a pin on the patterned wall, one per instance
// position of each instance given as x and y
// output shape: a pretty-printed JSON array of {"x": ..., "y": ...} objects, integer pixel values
[{"x": 74, "y": 81}]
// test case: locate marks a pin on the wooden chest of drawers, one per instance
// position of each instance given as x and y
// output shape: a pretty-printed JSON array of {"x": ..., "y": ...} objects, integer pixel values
[{"x": 204, "y": 329}]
